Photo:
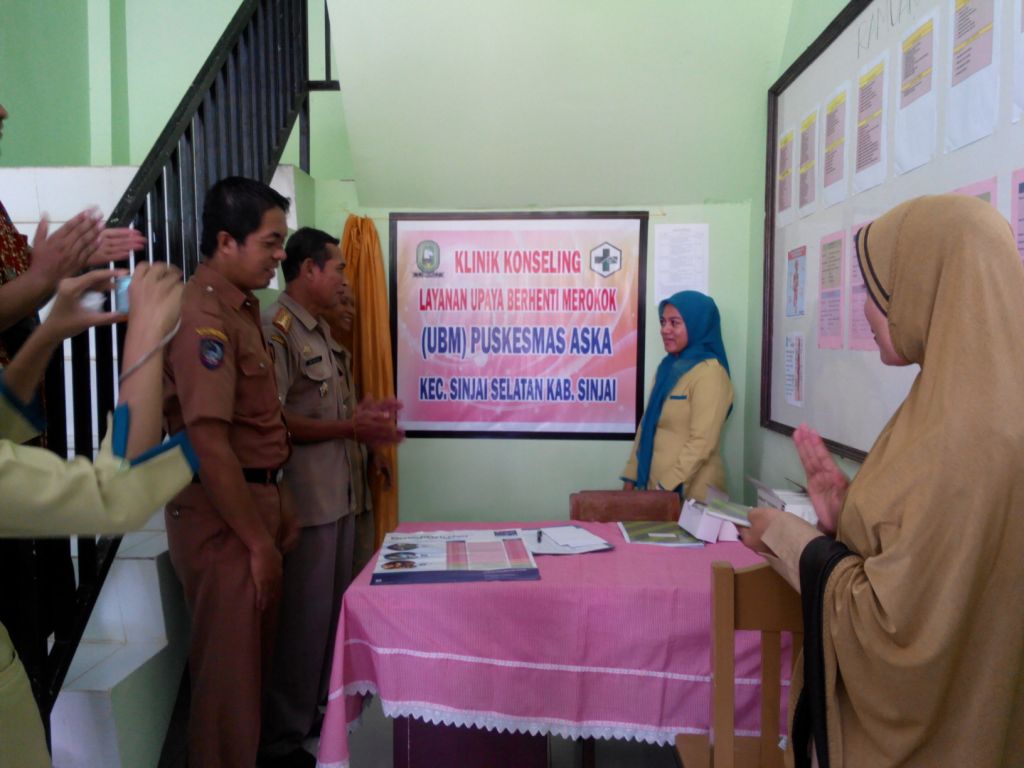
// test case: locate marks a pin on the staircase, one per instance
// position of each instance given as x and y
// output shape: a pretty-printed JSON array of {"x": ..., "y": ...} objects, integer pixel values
[{"x": 234, "y": 119}]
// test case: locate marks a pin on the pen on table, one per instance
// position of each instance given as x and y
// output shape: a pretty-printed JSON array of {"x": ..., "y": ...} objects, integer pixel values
[{"x": 539, "y": 531}]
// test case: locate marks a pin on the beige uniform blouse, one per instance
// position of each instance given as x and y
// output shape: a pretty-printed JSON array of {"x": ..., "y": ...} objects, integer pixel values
[
  {"x": 45, "y": 495},
  {"x": 687, "y": 443}
]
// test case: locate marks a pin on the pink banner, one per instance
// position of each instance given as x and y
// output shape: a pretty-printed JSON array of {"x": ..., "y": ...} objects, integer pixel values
[
  {"x": 515, "y": 325},
  {"x": 830, "y": 299}
]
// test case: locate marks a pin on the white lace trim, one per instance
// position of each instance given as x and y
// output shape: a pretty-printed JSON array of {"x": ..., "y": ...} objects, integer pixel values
[{"x": 495, "y": 721}]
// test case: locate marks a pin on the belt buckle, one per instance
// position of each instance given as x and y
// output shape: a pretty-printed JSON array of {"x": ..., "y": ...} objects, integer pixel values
[{"x": 275, "y": 475}]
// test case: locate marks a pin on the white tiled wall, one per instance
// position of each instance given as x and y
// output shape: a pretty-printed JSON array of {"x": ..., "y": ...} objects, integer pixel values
[{"x": 60, "y": 192}]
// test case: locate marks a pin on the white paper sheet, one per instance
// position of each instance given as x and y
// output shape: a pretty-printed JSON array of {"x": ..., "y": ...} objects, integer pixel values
[
  {"x": 973, "y": 106},
  {"x": 916, "y": 110},
  {"x": 807, "y": 162},
  {"x": 834, "y": 150},
  {"x": 681, "y": 254},
  {"x": 872, "y": 111}
]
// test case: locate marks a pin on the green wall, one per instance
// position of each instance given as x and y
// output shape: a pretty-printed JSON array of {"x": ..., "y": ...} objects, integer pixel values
[
  {"x": 44, "y": 82},
  {"x": 497, "y": 479}
]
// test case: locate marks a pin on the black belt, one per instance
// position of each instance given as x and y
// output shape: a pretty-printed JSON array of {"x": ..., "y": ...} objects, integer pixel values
[{"x": 255, "y": 475}]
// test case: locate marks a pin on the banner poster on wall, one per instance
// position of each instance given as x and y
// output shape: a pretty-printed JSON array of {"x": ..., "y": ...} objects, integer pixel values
[{"x": 519, "y": 324}]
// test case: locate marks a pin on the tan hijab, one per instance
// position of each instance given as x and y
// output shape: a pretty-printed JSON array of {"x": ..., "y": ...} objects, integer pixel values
[{"x": 924, "y": 629}]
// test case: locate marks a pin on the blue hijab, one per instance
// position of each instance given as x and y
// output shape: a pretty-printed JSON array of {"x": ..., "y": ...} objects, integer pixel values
[{"x": 704, "y": 331}]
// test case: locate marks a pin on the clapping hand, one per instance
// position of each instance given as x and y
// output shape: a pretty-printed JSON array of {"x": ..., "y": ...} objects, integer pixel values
[
  {"x": 80, "y": 242},
  {"x": 117, "y": 244},
  {"x": 826, "y": 483},
  {"x": 155, "y": 299},
  {"x": 374, "y": 421},
  {"x": 69, "y": 249}
]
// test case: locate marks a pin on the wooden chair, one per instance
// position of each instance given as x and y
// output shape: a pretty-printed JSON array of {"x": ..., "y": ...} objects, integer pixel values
[
  {"x": 615, "y": 506},
  {"x": 753, "y": 598}
]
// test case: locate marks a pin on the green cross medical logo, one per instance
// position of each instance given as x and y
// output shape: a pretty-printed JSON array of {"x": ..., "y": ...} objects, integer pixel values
[
  {"x": 606, "y": 259},
  {"x": 428, "y": 256}
]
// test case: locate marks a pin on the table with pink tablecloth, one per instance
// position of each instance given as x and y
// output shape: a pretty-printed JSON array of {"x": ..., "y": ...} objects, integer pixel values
[{"x": 612, "y": 644}]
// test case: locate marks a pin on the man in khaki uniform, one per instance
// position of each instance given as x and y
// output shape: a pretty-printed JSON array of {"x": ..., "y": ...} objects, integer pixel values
[
  {"x": 315, "y": 394},
  {"x": 227, "y": 530},
  {"x": 361, "y": 460}
]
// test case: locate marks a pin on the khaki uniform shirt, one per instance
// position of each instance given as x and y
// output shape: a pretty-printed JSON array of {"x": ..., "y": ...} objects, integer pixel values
[
  {"x": 309, "y": 368},
  {"x": 218, "y": 367}
]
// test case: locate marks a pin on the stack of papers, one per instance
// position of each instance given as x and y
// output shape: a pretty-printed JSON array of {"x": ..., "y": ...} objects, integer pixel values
[
  {"x": 562, "y": 540},
  {"x": 666, "y": 534}
]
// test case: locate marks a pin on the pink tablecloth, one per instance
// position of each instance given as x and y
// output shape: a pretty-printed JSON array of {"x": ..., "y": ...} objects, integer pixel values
[{"x": 606, "y": 645}]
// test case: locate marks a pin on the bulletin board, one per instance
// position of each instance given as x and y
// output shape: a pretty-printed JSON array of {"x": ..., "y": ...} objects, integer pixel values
[
  {"x": 895, "y": 99},
  {"x": 519, "y": 324}
]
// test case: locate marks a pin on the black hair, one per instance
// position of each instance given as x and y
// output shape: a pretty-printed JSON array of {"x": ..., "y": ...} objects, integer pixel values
[
  {"x": 306, "y": 243},
  {"x": 236, "y": 205}
]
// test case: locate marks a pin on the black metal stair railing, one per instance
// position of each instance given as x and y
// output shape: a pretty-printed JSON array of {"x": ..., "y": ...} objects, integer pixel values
[{"x": 234, "y": 119}]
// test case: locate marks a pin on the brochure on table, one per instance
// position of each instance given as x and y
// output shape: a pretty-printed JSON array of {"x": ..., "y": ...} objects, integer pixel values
[
  {"x": 451, "y": 556},
  {"x": 665, "y": 534}
]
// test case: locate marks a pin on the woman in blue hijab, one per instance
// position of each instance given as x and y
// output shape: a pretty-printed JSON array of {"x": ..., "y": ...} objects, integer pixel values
[{"x": 677, "y": 446}]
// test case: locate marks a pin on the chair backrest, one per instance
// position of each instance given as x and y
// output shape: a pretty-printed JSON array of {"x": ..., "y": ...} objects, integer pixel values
[
  {"x": 753, "y": 598},
  {"x": 613, "y": 506}
]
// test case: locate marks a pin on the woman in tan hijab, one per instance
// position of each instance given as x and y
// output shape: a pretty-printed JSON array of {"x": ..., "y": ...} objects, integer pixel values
[{"x": 914, "y": 598}]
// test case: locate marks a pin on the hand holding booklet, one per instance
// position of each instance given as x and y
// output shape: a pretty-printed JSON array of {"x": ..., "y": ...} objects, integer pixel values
[{"x": 731, "y": 511}]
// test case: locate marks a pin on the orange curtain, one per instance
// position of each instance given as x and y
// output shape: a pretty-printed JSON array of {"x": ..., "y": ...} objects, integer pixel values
[{"x": 371, "y": 348}]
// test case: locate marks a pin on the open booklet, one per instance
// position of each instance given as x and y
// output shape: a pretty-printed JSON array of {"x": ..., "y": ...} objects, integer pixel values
[
  {"x": 666, "y": 534},
  {"x": 717, "y": 504},
  {"x": 733, "y": 512},
  {"x": 446, "y": 556}
]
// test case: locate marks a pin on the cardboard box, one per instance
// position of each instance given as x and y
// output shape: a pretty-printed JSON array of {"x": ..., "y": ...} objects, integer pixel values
[{"x": 695, "y": 520}]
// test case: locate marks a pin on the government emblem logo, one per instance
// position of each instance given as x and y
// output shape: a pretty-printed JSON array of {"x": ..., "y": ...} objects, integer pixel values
[{"x": 428, "y": 257}]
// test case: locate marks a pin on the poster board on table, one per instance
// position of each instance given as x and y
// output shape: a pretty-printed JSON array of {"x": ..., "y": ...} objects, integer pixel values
[
  {"x": 519, "y": 324},
  {"x": 893, "y": 100}
]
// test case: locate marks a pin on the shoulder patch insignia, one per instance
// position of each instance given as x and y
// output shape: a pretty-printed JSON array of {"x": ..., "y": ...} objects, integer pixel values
[
  {"x": 283, "y": 319},
  {"x": 212, "y": 333},
  {"x": 211, "y": 353}
]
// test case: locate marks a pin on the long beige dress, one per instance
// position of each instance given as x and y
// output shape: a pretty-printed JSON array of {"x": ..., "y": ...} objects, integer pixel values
[{"x": 923, "y": 625}]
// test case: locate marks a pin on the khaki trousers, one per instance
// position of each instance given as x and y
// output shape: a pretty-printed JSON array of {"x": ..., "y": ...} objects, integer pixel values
[{"x": 232, "y": 641}]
